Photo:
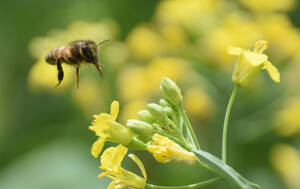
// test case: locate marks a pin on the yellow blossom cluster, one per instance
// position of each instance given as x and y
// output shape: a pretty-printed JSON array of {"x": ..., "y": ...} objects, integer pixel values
[
  {"x": 107, "y": 128},
  {"x": 216, "y": 24},
  {"x": 269, "y": 5}
]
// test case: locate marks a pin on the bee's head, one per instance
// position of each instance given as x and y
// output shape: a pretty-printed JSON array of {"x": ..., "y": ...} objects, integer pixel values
[{"x": 90, "y": 51}]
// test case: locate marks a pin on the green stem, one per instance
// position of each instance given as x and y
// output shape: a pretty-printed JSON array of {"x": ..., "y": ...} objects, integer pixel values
[
  {"x": 191, "y": 133},
  {"x": 226, "y": 119},
  {"x": 137, "y": 144},
  {"x": 190, "y": 186}
]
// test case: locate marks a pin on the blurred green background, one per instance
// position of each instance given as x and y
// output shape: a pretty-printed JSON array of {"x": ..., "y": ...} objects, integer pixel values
[{"x": 44, "y": 140}]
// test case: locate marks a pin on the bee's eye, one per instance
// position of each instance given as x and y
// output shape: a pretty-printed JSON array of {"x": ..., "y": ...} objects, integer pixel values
[{"x": 87, "y": 53}]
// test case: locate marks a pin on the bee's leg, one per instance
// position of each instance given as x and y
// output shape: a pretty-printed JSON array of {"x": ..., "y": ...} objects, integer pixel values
[
  {"x": 60, "y": 73},
  {"x": 99, "y": 68},
  {"x": 77, "y": 77}
]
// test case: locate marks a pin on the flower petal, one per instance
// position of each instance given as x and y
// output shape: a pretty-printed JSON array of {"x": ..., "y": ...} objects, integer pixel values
[
  {"x": 112, "y": 158},
  {"x": 92, "y": 128},
  {"x": 272, "y": 71},
  {"x": 112, "y": 185},
  {"x": 98, "y": 146},
  {"x": 120, "y": 152},
  {"x": 234, "y": 50},
  {"x": 260, "y": 46},
  {"x": 255, "y": 59},
  {"x": 114, "y": 109},
  {"x": 165, "y": 150},
  {"x": 140, "y": 164},
  {"x": 160, "y": 153},
  {"x": 102, "y": 175},
  {"x": 106, "y": 159}
]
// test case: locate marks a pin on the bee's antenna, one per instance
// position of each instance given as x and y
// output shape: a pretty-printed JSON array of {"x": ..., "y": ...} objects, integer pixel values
[{"x": 102, "y": 42}]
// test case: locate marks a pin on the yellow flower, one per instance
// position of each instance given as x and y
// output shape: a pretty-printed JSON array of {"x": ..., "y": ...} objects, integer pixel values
[
  {"x": 106, "y": 127},
  {"x": 171, "y": 67},
  {"x": 235, "y": 29},
  {"x": 144, "y": 43},
  {"x": 283, "y": 36},
  {"x": 194, "y": 15},
  {"x": 43, "y": 77},
  {"x": 250, "y": 63},
  {"x": 198, "y": 103},
  {"x": 269, "y": 5},
  {"x": 111, "y": 163},
  {"x": 286, "y": 161},
  {"x": 130, "y": 109},
  {"x": 132, "y": 83},
  {"x": 165, "y": 150},
  {"x": 139, "y": 82},
  {"x": 287, "y": 119},
  {"x": 174, "y": 37}
]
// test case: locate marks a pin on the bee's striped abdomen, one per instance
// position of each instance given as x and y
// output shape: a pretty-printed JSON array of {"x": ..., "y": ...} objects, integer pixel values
[{"x": 62, "y": 53}]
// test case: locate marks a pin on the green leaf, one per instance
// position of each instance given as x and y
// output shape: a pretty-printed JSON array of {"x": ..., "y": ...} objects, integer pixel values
[{"x": 225, "y": 171}]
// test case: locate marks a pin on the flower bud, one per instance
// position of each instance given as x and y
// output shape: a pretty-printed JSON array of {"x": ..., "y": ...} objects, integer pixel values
[
  {"x": 143, "y": 129},
  {"x": 164, "y": 103},
  {"x": 171, "y": 91},
  {"x": 170, "y": 112},
  {"x": 158, "y": 113},
  {"x": 119, "y": 133},
  {"x": 145, "y": 115}
]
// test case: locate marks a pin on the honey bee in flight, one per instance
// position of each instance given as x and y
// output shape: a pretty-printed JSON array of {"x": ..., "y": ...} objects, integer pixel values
[{"x": 75, "y": 53}]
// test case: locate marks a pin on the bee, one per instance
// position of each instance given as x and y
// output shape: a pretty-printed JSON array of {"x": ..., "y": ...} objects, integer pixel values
[{"x": 75, "y": 53}]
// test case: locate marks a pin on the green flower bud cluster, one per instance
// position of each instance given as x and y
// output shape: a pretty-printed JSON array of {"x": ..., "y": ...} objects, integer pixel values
[{"x": 163, "y": 118}]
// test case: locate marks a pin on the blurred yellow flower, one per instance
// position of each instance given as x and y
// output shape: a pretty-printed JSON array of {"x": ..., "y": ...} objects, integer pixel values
[
  {"x": 89, "y": 97},
  {"x": 144, "y": 43},
  {"x": 250, "y": 63},
  {"x": 198, "y": 103},
  {"x": 174, "y": 37},
  {"x": 130, "y": 110},
  {"x": 283, "y": 36},
  {"x": 137, "y": 82},
  {"x": 106, "y": 127},
  {"x": 171, "y": 67},
  {"x": 287, "y": 119},
  {"x": 111, "y": 160},
  {"x": 132, "y": 82},
  {"x": 286, "y": 161},
  {"x": 269, "y": 5},
  {"x": 194, "y": 15},
  {"x": 165, "y": 150},
  {"x": 43, "y": 76},
  {"x": 236, "y": 29}
]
